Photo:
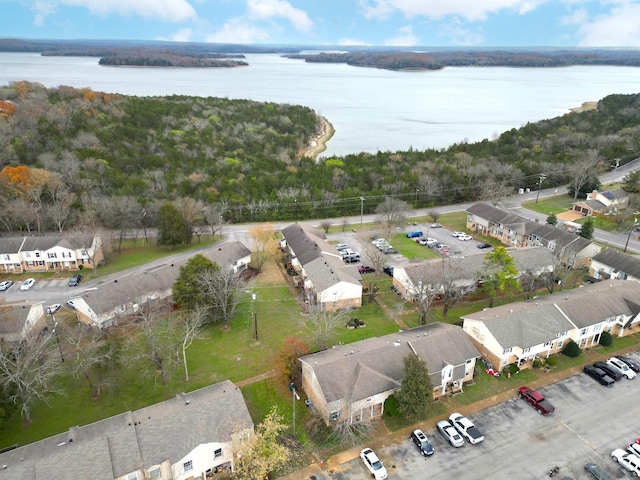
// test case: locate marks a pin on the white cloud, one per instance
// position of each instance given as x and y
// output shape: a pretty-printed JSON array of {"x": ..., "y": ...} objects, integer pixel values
[
  {"x": 576, "y": 17},
  {"x": 471, "y": 10},
  {"x": 167, "y": 10},
  {"x": 237, "y": 30},
  {"x": 42, "y": 11},
  {"x": 182, "y": 35},
  {"x": 352, "y": 42},
  {"x": 458, "y": 35},
  {"x": 404, "y": 38},
  {"x": 268, "y": 9},
  {"x": 617, "y": 28}
]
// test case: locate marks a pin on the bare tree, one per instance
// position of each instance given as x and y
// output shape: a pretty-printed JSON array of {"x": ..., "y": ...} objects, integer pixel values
[
  {"x": 391, "y": 213},
  {"x": 28, "y": 369},
  {"x": 191, "y": 325},
  {"x": 159, "y": 339},
  {"x": 434, "y": 215},
  {"x": 322, "y": 325},
  {"x": 495, "y": 192},
  {"x": 377, "y": 260},
  {"x": 92, "y": 356},
  {"x": 191, "y": 211},
  {"x": 455, "y": 283},
  {"x": 325, "y": 225},
  {"x": 582, "y": 170},
  {"x": 221, "y": 287}
]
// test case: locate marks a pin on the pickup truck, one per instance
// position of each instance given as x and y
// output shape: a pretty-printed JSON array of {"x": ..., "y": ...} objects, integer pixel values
[
  {"x": 466, "y": 428},
  {"x": 536, "y": 400}
]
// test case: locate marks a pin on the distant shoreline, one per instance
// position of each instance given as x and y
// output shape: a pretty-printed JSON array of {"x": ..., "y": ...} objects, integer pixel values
[
  {"x": 585, "y": 107},
  {"x": 319, "y": 143}
]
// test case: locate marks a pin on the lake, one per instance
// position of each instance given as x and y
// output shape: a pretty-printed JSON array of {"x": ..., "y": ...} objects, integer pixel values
[{"x": 371, "y": 109}]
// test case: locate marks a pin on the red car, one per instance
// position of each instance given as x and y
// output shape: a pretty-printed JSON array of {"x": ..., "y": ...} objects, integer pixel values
[
  {"x": 364, "y": 269},
  {"x": 536, "y": 400}
]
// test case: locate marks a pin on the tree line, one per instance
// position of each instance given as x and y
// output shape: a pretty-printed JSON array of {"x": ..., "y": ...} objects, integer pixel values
[{"x": 118, "y": 159}]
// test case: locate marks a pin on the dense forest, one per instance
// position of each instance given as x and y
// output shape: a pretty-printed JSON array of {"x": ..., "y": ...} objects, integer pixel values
[
  {"x": 66, "y": 151},
  {"x": 474, "y": 58},
  {"x": 143, "y": 58}
]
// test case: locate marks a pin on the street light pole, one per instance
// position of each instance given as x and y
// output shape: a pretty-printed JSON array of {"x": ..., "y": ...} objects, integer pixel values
[
  {"x": 541, "y": 179},
  {"x": 629, "y": 236},
  {"x": 361, "y": 210}
]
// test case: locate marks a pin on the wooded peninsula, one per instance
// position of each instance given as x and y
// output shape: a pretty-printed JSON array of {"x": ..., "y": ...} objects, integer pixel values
[{"x": 65, "y": 151}]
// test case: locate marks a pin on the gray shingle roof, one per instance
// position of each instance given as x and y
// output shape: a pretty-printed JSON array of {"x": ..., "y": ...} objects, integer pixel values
[
  {"x": 536, "y": 321},
  {"x": 133, "y": 440},
  {"x": 619, "y": 261},
  {"x": 375, "y": 365},
  {"x": 29, "y": 244}
]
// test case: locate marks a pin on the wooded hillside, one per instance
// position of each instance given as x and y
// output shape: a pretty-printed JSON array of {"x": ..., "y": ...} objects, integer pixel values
[{"x": 124, "y": 155}]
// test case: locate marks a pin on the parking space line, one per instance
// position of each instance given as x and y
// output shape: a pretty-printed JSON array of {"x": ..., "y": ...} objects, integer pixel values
[{"x": 586, "y": 442}]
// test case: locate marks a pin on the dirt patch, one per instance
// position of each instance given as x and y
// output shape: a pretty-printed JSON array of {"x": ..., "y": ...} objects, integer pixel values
[
  {"x": 271, "y": 274},
  {"x": 569, "y": 216}
]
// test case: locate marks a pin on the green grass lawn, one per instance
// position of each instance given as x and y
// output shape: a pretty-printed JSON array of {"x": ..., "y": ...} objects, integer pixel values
[{"x": 556, "y": 204}]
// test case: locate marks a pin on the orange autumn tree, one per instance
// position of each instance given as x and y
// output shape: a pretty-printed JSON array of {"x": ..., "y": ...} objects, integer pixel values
[{"x": 23, "y": 182}]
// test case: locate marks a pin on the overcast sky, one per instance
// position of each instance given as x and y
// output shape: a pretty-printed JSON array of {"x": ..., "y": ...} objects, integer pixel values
[{"x": 332, "y": 22}]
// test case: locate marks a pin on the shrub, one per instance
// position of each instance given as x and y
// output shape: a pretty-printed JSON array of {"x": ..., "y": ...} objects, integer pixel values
[
  {"x": 537, "y": 363},
  {"x": 572, "y": 349},
  {"x": 512, "y": 368},
  {"x": 552, "y": 361},
  {"x": 355, "y": 322},
  {"x": 606, "y": 339}
]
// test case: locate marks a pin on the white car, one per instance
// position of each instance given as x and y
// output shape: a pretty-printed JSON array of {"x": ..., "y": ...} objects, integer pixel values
[
  {"x": 28, "y": 283},
  {"x": 619, "y": 366},
  {"x": 6, "y": 285},
  {"x": 629, "y": 461},
  {"x": 51, "y": 309},
  {"x": 465, "y": 237},
  {"x": 373, "y": 464},
  {"x": 449, "y": 432},
  {"x": 457, "y": 234}
]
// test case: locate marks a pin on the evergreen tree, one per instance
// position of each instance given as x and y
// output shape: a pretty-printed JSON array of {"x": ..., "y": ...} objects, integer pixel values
[
  {"x": 186, "y": 291},
  {"x": 587, "y": 229},
  {"x": 552, "y": 219},
  {"x": 417, "y": 390},
  {"x": 171, "y": 229}
]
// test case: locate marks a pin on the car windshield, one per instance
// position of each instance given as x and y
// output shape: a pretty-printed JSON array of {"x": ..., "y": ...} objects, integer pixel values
[{"x": 377, "y": 465}]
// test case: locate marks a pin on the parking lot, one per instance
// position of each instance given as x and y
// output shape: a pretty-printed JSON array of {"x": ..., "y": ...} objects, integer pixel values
[
  {"x": 356, "y": 242},
  {"x": 590, "y": 421}
]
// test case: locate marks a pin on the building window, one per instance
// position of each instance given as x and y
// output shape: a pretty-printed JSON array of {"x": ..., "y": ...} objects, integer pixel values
[
  {"x": 583, "y": 331},
  {"x": 6, "y": 257},
  {"x": 155, "y": 474},
  {"x": 559, "y": 344},
  {"x": 37, "y": 254},
  {"x": 188, "y": 466},
  {"x": 132, "y": 476},
  {"x": 507, "y": 350},
  {"x": 548, "y": 344},
  {"x": 217, "y": 453},
  {"x": 525, "y": 350},
  {"x": 27, "y": 254},
  {"x": 51, "y": 254}
]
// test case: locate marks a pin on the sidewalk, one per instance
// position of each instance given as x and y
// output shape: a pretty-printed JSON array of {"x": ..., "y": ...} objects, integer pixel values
[{"x": 384, "y": 438}]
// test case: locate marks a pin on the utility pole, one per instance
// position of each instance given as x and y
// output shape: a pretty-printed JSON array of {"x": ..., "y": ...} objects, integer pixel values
[
  {"x": 541, "y": 179},
  {"x": 361, "y": 210}
]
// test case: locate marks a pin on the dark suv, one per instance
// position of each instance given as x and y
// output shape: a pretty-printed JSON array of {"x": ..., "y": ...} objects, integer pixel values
[
  {"x": 616, "y": 375},
  {"x": 422, "y": 442},
  {"x": 599, "y": 375},
  {"x": 75, "y": 280}
]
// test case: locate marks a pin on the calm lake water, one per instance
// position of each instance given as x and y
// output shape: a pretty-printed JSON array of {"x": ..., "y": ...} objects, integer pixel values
[{"x": 370, "y": 109}]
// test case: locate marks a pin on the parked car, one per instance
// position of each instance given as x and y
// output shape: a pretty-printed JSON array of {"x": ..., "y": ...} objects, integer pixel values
[
  {"x": 629, "y": 461},
  {"x": 536, "y": 400},
  {"x": 70, "y": 304},
  {"x": 6, "y": 285},
  {"x": 597, "y": 472},
  {"x": 422, "y": 442},
  {"x": 365, "y": 269},
  {"x": 465, "y": 237},
  {"x": 450, "y": 434},
  {"x": 457, "y": 234},
  {"x": 389, "y": 249},
  {"x": 28, "y": 283},
  {"x": 341, "y": 246},
  {"x": 373, "y": 464},
  {"x": 621, "y": 367},
  {"x": 435, "y": 225},
  {"x": 388, "y": 270},
  {"x": 612, "y": 372},
  {"x": 633, "y": 364},
  {"x": 414, "y": 234},
  {"x": 75, "y": 280},
  {"x": 428, "y": 242},
  {"x": 634, "y": 448},
  {"x": 352, "y": 257},
  {"x": 51, "y": 309},
  {"x": 378, "y": 241},
  {"x": 466, "y": 428},
  {"x": 599, "y": 375},
  {"x": 483, "y": 246}
]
